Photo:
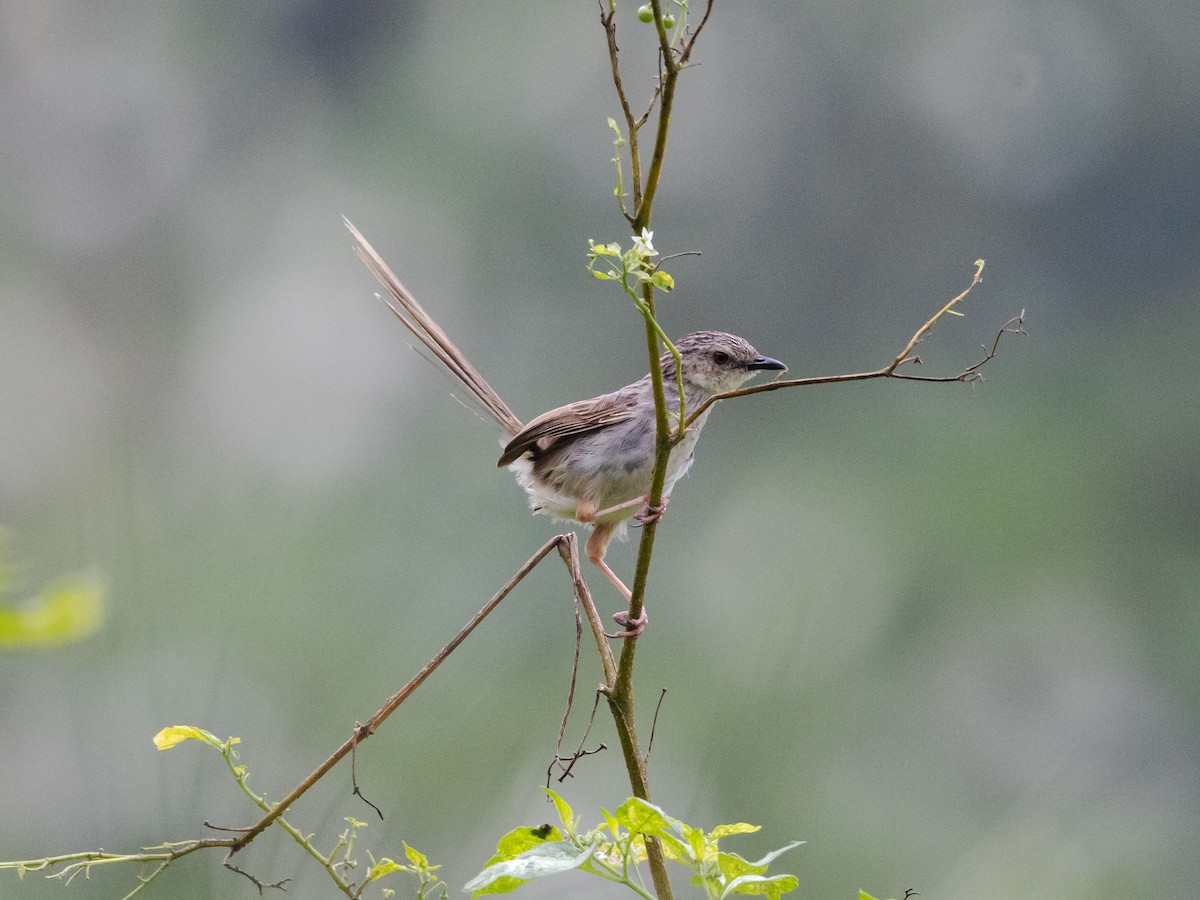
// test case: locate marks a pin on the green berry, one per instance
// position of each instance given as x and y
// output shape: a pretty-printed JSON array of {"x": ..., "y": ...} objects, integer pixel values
[
  {"x": 669, "y": 21},
  {"x": 645, "y": 13}
]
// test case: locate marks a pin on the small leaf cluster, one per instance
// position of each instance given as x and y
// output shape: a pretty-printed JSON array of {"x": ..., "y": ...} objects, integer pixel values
[
  {"x": 338, "y": 862},
  {"x": 638, "y": 277},
  {"x": 418, "y": 865},
  {"x": 613, "y": 849},
  {"x": 631, "y": 267}
]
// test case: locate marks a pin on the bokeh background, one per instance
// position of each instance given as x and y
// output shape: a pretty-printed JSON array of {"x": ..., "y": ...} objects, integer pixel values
[{"x": 947, "y": 635}]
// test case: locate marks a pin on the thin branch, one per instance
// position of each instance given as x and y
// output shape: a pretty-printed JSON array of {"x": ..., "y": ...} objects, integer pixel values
[
  {"x": 562, "y": 729},
  {"x": 567, "y": 763},
  {"x": 902, "y": 356},
  {"x": 686, "y": 51},
  {"x": 969, "y": 375},
  {"x": 356, "y": 791},
  {"x": 568, "y": 549},
  {"x": 663, "y": 259},
  {"x": 608, "y": 20},
  {"x": 261, "y": 885},
  {"x": 620, "y": 692},
  {"x": 654, "y": 723},
  {"x": 364, "y": 731}
]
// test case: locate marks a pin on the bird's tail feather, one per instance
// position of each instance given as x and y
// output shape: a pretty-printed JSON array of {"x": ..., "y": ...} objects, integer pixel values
[{"x": 406, "y": 308}]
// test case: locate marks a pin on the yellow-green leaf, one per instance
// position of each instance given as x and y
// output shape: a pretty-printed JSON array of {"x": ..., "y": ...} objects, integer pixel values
[
  {"x": 724, "y": 831},
  {"x": 385, "y": 867},
  {"x": 177, "y": 734},
  {"x": 65, "y": 611},
  {"x": 565, "y": 814},
  {"x": 416, "y": 857},
  {"x": 663, "y": 280}
]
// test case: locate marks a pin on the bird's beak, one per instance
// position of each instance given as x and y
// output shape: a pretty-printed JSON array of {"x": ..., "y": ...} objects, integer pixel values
[{"x": 766, "y": 363}]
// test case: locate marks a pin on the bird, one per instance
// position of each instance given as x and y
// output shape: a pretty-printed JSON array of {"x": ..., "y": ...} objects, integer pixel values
[{"x": 591, "y": 461}]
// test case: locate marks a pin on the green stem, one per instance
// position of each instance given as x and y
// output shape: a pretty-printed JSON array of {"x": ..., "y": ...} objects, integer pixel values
[{"x": 620, "y": 695}]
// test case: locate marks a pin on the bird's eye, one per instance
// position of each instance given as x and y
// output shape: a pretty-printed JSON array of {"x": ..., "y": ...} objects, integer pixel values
[{"x": 721, "y": 358}]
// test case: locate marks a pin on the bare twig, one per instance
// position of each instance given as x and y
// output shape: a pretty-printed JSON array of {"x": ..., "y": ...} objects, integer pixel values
[
  {"x": 356, "y": 791},
  {"x": 562, "y": 729},
  {"x": 608, "y": 20},
  {"x": 364, "y": 731},
  {"x": 654, "y": 723},
  {"x": 969, "y": 375},
  {"x": 261, "y": 885},
  {"x": 686, "y": 50},
  {"x": 567, "y": 763},
  {"x": 902, "y": 356},
  {"x": 568, "y": 549}
]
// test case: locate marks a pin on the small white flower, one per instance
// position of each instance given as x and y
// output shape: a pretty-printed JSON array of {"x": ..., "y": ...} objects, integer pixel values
[{"x": 642, "y": 246}]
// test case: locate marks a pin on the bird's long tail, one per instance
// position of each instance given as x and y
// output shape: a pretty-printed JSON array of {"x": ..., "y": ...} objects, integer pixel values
[{"x": 406, "y": 308}]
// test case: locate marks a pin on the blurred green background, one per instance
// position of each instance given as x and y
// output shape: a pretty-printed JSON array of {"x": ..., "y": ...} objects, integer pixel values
[{"x": 947, "y": 635}]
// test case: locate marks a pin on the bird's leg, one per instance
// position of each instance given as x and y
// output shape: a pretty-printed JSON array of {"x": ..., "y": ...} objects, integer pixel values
[
  {"x": 645, "y": 514},
  {"x": 596, "y": 547},
  {"x": 608, "y": 511}
]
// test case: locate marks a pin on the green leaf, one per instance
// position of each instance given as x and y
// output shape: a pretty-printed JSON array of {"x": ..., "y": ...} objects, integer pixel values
[
  {"x": 766, "y": 860},
  {"x": 565, "y": 814},
  {"x": 733, "y": 866},
  {"x": 612, "y": 824},
  {"x": 663, "y": 280},
  {"x": 863, "y": 895},
  {"x": 604, "y": 249},
  {"x": 724, "y": 831},
  {"x": 416, "y": 857},
  {"x": 177, "y": 734},
  {"x": 676, "y": 850},
  {"x": 65, "y": 611},
  {"x": 385, "y": 867},
  {"x": 643, "y": 818},
  {"x": 550, "y": 858},
  {"x": 694, "y": 836},
  {"x": 519, "y": 840},
  {"x": 772, "y": 886}
]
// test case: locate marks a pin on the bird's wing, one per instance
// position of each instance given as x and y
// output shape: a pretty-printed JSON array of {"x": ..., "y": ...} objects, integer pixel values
[{"x": 570, "y": 421}]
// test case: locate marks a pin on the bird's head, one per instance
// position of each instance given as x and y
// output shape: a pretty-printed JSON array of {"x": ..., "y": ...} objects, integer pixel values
[{"x": 715, "y": 362}]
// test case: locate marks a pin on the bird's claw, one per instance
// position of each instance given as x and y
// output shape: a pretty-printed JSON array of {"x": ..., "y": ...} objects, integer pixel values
[
  {"x": 648, "y": 513},
  {"x": 633, "y": 627}
]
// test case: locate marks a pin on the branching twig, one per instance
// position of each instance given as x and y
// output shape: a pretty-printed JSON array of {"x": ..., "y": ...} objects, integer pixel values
[
  {"x": 164, "y": 854},
  {"x": 685, "y": 51},
  {"x": 970, "y": 374},
  {"x": 355, "y": 790},
  {"x": 567, "y": 763},
  {"x": 568, "y": 549},
  {"x": 261, "y": 885},
  {"x": 902, "y": 356},
  {"x": 620, "y": 693},
  {"x": 608, "y": 20}
]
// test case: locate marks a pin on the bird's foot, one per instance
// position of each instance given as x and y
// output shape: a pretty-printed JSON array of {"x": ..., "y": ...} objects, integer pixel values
[
  {"x": 633, "y": 627},
  {"x": 648, "y": 513}
]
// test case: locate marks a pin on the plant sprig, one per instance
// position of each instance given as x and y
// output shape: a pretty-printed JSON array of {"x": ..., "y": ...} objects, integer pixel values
[
  {"x": 614, "y": 848},
  {"x": 339, "y": 861},
  {"x": 632, "y": 269}
]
